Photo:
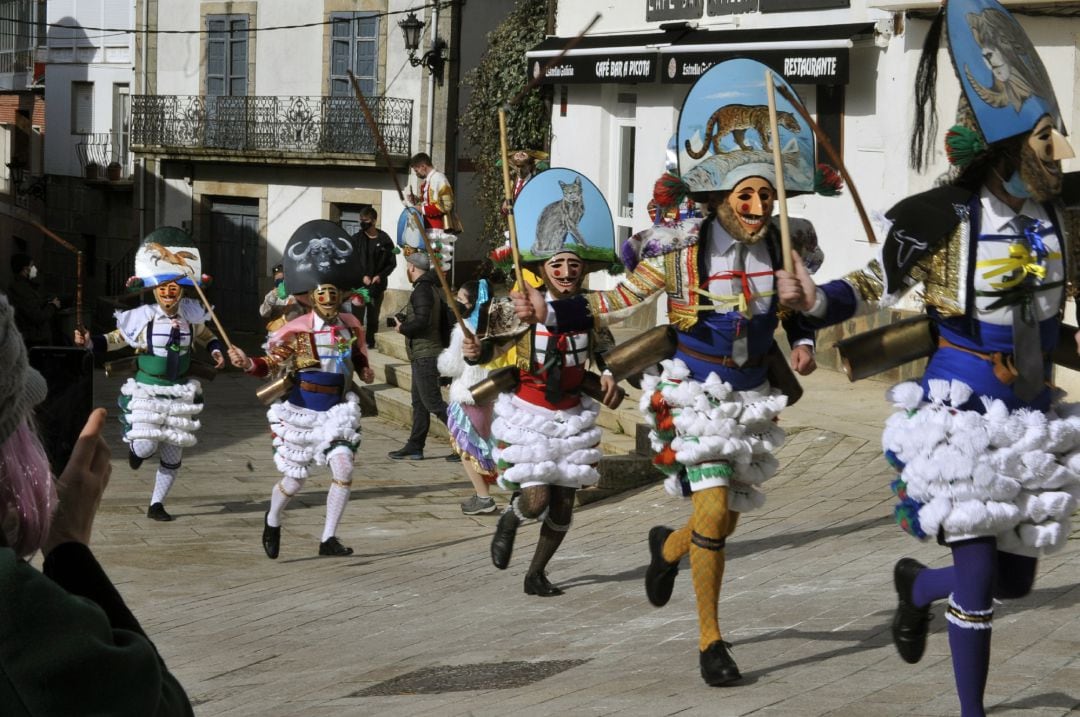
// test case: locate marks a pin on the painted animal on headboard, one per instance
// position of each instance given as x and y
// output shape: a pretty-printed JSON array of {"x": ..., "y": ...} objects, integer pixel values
[
  {"x": 736, "y": 120},
  {"x": 559, "y": 219}
]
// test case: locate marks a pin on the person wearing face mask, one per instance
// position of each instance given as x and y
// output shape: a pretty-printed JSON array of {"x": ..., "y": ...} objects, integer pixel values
[
  {"x": 983, "y": 445},
  {"x": 161, "y": 403},
  {"x": 544, "y": 432},
  {"x": 317, "y": 420},
  {"x": 714, "y": 406},
  {"x": 379, "y": 258},
  {"x": 33, "y": 312}
]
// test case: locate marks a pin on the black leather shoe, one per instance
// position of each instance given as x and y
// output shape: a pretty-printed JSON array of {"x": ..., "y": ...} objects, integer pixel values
[
  {"x": 271, "y": 539},
  {"x": 538, "y": 584},
  {"x": 133, "y": 460},
  {"x": 910, "y": 623},
  {"x": 718, "y": 666},
  {"x": 502, "y": 543},
  {"x": 157, "y": 512},
  {"x": 406, "y": 454},
  {"x": 660, "y": 575},
  {"x": 333, "y": 547}
]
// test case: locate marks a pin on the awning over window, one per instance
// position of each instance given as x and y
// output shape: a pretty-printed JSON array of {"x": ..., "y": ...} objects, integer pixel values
[{"x": 803, "y": 55}]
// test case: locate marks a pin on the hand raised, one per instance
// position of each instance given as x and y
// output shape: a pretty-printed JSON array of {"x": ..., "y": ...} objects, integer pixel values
[{"x": 81, "y": 485}]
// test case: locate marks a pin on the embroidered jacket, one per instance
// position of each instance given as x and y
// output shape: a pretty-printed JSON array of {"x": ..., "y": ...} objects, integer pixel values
[
  {"x": 932, "y": 242},
  {"x": 307, "y": 343},
  {"x": 672, "y": 262}
]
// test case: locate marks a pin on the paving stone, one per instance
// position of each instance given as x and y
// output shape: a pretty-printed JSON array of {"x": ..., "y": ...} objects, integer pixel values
[{"x": 807, "y": 597}]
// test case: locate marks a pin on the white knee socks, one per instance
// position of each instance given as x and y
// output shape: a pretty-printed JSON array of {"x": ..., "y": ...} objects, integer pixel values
[{"x": 341, "y": 467}]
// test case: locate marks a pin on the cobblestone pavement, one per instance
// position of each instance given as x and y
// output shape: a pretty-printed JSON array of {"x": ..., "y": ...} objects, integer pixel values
[{"x": 418, "y": 621}]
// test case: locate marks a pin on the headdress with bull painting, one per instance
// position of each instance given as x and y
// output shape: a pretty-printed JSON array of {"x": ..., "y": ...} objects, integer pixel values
[{"x": 321, "y": 252}]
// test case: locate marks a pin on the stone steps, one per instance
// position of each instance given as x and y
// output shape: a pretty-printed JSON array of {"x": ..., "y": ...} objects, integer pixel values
[{"x": 625, "y": 445}]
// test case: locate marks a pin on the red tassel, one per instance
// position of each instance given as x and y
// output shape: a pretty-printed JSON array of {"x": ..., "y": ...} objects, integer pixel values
[{"x": 669, "y": 190}]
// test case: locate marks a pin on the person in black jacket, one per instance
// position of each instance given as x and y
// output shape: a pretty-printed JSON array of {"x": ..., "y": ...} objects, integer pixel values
[
  {"x": 378, "y": 257},
  {"x": 68, "y": 643},
  {"x": 33, "y": 311},
  {"x": 423, "y": 326}
]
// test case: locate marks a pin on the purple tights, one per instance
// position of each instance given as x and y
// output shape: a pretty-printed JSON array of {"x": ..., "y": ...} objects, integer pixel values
[{"x": 979, "y": 573}]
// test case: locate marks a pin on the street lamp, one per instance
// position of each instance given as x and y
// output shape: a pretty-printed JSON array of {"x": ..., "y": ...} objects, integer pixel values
[
  {"x": 433, "y": 59},
  {"x": 23, "y": 185}
]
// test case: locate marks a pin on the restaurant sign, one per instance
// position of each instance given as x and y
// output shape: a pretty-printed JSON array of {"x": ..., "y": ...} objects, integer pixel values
[{"x": 799, "y": 67}]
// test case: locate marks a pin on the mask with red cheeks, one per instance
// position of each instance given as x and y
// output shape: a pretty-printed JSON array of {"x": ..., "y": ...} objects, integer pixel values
[
  {"x": 563, "y": 274},
  {"x": 168, "y": 296},
  {"x": 326, "y": 299},
  {"x": 746, "y": 211}
]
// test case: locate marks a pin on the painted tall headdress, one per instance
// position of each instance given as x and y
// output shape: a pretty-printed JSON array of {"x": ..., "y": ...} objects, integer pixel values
[
  {"x": 723, "y": 134},
  {"x": 321, "y": 252},
  {"x": 411, "y": 235},
  {"x": 1005, "y": 87},
  {"x": 561, "y": 210},
  {"x": 167, "y": 254}
]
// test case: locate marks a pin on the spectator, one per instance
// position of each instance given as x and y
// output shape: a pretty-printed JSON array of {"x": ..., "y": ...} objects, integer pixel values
[
  {"x": 279, "y": 306},
  {"x": 469, "y": 423},
  {"x": 68, "y": 643},
  {"x": 422, "y": 325},
  {"x": 377, "y": 254},
  {"x": 33, "y": 312}
]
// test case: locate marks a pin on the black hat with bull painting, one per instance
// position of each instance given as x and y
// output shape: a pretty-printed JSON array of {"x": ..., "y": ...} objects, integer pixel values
[{"x": 321, "y": 252}]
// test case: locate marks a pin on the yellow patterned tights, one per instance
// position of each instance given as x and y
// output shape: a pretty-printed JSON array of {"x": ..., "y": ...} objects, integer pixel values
[{"x": 710, "y": 523}]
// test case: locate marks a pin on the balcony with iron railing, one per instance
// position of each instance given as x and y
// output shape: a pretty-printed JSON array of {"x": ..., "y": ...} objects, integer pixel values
[
  {"x": 263, "y": 126},
  {"x": 105, "y": 156}
]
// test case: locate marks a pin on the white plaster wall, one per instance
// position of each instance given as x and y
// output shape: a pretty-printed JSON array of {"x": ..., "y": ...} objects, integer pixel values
[
  {"x": 178, "y": 56},
  {"x": 175, "y": 202},
  {"x": 288, "y": 206},
  {"x": 617, "y": 16},
  {"x": 60, "y": 156}
]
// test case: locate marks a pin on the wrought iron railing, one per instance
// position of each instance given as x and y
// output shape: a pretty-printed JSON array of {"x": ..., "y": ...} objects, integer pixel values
[
  {"x": 269, "y": 124},
  {"x": 104, "y": 155}
]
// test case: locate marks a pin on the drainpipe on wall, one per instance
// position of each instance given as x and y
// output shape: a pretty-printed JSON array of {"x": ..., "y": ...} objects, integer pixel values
[
  {"x": 431, "y": 86},
  {"x": 145, "y": 91}
]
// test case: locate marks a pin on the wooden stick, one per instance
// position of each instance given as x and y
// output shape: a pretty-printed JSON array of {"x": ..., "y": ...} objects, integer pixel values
[
  {"x": 450, "y": 301},
  {"x": 834, "y": 157},
  {"x": 552, "y": 62},
  {"x": 778, "y": 165},
  {"x": 213, "y": 316},
  {"x": 508, "y": 192},
  {"x": 78, "y": 269}
]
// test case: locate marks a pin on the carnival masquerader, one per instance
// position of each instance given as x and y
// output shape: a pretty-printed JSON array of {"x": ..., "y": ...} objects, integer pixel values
[
  {"x": 318, "y": 418},
  {"x": 987, "y": 454},
  {"x": 162, "y": 402},
  {"x": 468, "y": 420},
  {"x": 713, "y": 409},
  {"x": 545, "y": 432}
]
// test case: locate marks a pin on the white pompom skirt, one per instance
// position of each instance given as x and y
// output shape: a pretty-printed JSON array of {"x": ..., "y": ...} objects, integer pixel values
[
  {"x": 537, "y": 445},
  {"x": 163, "y": 414},
  {"x": 303, "y": 436},
  {"x": 711, "y": 435},
  {"x": 1014, "y": 475}
]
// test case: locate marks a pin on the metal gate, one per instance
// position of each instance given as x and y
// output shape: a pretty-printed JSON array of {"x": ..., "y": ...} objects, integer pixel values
[{"x": 234, "y": 263}]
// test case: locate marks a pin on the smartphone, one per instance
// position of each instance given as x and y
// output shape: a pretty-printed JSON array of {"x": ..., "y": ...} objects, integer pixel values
[{"x": 69, "y": 374}]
